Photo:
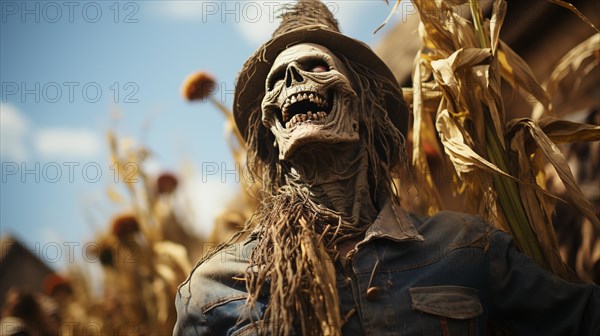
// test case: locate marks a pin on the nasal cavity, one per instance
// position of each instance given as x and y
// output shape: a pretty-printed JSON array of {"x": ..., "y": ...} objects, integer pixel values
[{"x": 293, "y": 76}]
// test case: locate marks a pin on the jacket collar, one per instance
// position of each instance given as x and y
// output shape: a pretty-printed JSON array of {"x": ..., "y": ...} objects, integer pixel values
[{"x": 392, "y": 223}]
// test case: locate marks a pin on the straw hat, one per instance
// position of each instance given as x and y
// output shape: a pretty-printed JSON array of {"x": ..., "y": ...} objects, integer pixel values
[{"x": 309, "y": 21}]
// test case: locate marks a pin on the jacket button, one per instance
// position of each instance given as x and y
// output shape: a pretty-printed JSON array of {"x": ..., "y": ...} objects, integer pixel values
[{"x": 372, "y": 293}]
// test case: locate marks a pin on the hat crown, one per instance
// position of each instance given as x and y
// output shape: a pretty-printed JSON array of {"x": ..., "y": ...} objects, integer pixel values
[{"x": 306, "y": 13}]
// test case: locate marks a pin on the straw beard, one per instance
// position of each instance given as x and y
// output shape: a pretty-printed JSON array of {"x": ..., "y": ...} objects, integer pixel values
[
  {"x": 296, "y": 251},
  {"x": 296, "y": 236}
]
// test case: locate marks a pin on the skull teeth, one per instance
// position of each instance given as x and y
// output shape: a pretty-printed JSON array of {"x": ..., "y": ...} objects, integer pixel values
[
  {"x": 300, "y": 118},
  {"x": 299, "y": 97}
]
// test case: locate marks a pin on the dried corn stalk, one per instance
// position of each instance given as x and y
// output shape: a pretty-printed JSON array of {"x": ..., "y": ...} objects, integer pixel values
[
  {"x": 143, "y": 284},
  {"x": 497, "y": 165}
]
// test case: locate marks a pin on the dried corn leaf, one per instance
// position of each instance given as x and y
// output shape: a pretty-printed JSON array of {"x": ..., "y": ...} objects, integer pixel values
[
  {"x": 421, "y": 128},
  {"x": 498, "y": 14},
  {"x": 464, "y": 158},
  {"x": 564, "y": 131},
  {"x": 475, "y": 107},
  {"x": 451, "y": 2},
  {"x": 418, "y": 155},
  {"x": 459, "y": 60},
  {"x": 167, "y": 274},
  {"x": 389, "y": 16},
  {"x": 584, "y": 54},
  {"x": 445, "y": 70},
  {"x": 425, "y": 40},
  {"x": 460, "y": 85},
  {"x": 161, "y": 298},
  {"x": 434, "y": 34},
  {"x": 519, "y": 75},
  {"x": 558, "y": 161},
  {"x": 574, "y": 10},
  {"x": 490, "y": 93},
  {"x": 173, "y": 255},
  {"x": 573, "y": 60},
  {"x": 461, "y": 31},
  {"x": 538, "y": 207}
]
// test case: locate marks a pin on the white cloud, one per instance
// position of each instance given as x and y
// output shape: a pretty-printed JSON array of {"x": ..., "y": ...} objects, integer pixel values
[
  {"x": 16, "y": 131},
  {"x": 13, "y": 130},
  {"x": 67, "y": 142},
  {"x": 258, "y": 20}
]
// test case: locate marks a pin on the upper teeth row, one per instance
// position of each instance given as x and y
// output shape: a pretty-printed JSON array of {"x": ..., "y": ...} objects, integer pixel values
[
  {"x": 313, "y": 98},
  {"x": 298, "y": 118},
  {"x": 304, "y": 96}
]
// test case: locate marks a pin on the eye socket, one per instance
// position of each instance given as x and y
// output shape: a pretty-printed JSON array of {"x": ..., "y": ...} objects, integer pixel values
[
  {"x": 274, "y": 79},
  {"x": 317, "y": 66},
  {"x": 314, "y": 65}
]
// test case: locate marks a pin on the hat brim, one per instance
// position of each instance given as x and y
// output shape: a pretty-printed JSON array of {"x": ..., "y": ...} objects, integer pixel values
[{"x": 251, "y": 88}]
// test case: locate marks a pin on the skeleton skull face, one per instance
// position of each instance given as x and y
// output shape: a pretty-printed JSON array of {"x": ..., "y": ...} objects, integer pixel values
[{"x": 309, "y": 99}]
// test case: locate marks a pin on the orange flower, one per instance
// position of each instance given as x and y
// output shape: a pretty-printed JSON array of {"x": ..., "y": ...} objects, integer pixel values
[
  {"x": 124, "y": 225},
  {"x": 198, "y": 86},
  {"x": 166, "y": 183}
]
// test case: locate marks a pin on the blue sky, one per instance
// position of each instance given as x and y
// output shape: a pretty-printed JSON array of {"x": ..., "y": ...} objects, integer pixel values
[{"x": 67, "y": 68}]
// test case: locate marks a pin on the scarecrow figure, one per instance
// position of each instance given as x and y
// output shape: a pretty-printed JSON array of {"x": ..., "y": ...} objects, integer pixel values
[{"x": 330, "y": 251}]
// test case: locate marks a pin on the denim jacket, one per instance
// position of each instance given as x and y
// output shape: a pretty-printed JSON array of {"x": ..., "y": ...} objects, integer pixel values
[{"x": 443, "y": 275}]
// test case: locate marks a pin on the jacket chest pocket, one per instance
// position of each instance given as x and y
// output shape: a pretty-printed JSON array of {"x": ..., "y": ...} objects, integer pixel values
[{"x": 447, "y": 310}]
